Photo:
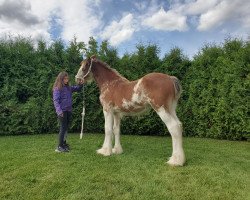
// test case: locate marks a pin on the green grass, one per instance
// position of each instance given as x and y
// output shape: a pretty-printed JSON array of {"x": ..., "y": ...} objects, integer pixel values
[{"x": 30, "y": 169}]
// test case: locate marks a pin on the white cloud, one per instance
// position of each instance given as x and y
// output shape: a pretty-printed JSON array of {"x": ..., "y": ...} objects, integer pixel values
[
  {"x": 204, "y": 15},
  {"x": 78, "y": 19},
  {"x": 215, "y": 16},
  {"x": 199, "y": 6},
  {"x": 33, "y": 18},
  {"x": 84, "y": 18},
  {"x": 225, "y": 11},
  {"x": 167, "y": 21},
  {"x": 120, "y": 31},
  {"x": 22, "y": 12},
  {"x": 20, "y": 18}
]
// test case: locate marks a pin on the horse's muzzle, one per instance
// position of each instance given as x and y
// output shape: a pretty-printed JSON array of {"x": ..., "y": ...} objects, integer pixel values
[{"x": 78, "y": 79}]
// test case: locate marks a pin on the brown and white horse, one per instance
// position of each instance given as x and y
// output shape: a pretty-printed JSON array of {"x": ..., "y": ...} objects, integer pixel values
[{"x": 120, "y": 97}]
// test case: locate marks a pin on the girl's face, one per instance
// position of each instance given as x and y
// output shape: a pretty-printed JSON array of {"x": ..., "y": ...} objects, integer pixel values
[{"x": 66, "y": 80}]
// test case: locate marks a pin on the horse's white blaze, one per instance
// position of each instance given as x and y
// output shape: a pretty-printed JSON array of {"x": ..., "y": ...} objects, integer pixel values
[
  {"x": 175, "y": 128},
  {"x": 79, "y": 74}
]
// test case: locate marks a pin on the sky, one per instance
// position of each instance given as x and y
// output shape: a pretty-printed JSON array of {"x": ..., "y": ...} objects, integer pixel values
[{"x": 187, "y": 24}]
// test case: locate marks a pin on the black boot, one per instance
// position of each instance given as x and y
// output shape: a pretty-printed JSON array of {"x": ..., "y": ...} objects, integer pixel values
[
  {"x": 61, "y": 149},
  {"x": 66, "y": 145}
]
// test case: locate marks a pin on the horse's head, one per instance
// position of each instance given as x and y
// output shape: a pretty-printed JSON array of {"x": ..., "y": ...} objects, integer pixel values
[{"x": 84, "y": 73}]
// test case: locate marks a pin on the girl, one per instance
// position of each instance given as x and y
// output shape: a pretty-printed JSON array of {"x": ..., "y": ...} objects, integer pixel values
[{"x": 62, "y": 98}]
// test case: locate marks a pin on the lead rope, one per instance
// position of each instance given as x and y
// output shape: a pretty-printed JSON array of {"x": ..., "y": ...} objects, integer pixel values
[
  {"x": 83, "y": 107},
  {"x": 83, "y": 114}
]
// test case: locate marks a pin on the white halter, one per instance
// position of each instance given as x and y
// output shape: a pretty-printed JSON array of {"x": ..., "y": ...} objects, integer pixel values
[
  {"x": 90, "y": 67},
  {"x": 82, "y": 77}
]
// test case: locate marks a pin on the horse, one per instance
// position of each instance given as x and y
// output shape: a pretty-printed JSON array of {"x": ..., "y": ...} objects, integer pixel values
[{"x": 120, "y": 97}]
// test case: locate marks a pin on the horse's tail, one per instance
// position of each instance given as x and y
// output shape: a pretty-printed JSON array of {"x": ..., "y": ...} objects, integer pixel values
[{"x": 177, "y": 87}]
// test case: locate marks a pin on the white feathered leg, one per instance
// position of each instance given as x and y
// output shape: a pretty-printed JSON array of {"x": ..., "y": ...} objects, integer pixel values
[
  {"x": 106, "y": 149},
  {"x": 175, "y": 128},
  {"x": 117, "y": 148}
]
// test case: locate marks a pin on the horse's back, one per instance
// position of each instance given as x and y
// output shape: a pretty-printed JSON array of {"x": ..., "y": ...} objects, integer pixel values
[
  {"x": 156, "y": 77},
  {"x": 158, "y": 81}
]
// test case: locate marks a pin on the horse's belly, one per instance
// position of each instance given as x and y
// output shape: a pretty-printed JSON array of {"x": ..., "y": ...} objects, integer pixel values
[{"x": 132, "y": 109}]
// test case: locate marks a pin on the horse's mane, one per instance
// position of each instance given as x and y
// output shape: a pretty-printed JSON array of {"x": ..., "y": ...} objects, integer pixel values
[{"x": 111, "y": 69}]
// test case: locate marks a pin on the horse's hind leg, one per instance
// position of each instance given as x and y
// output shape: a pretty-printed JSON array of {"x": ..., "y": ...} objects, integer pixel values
[
  {"x": 175, "y": 128},
  {"x": 117, "y": 148},
  {"x": 106, "y": 149}
]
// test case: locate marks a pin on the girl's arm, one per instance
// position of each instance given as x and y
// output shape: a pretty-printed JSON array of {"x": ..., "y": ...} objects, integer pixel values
[
  {"x": 56, "y": 100},
  {"x": 76, "y": 88}
]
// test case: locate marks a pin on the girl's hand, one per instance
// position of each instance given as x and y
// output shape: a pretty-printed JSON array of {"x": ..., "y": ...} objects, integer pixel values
[
  {"x": 61, "y": 115},
  {"x": 81, "y": 82}
]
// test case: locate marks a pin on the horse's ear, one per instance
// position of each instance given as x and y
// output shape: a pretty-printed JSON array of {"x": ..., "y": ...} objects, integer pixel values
[
  {"x": 93, "y": 57},
  {"x": 88, "y": 60}
]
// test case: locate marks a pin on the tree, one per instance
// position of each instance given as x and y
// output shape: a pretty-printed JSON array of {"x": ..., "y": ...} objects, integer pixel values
[
  {"x": 92, "y": 47},
  {"x": 175, "y": 63},
  {"x": 214, "y": 102}
]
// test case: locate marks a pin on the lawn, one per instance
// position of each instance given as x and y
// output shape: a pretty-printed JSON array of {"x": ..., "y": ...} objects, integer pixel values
[{"x": 30, "y": 169}]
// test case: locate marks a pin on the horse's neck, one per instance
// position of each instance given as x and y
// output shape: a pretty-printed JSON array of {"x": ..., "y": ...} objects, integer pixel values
[{"x": 104, "y": 75}]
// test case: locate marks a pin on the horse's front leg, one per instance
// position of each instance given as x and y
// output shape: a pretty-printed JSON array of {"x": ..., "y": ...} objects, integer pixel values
[
  {"x": 117, "y": 148},
  {"x": 106, "y": 149}
]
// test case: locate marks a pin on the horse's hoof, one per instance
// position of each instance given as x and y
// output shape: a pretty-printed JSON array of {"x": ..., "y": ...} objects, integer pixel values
[
  {"x": 117, "y": 150},
  {"x": 104, "y": 152},
  {"x": 176, "y": 161}
]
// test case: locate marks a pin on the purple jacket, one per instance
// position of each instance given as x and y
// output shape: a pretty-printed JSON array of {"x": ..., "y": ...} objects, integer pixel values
[{"x": 63, "y": 98}]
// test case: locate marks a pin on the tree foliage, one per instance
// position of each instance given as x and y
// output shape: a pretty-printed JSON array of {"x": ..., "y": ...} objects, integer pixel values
[{"x": 213, "y": 104}]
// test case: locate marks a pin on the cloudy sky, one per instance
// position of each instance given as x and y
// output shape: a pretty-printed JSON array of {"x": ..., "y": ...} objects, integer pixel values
[{"x": 187, "y": 24}]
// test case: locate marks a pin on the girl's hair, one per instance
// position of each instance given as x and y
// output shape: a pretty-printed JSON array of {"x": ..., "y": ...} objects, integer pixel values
[{"x": 59, "y": 80}]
